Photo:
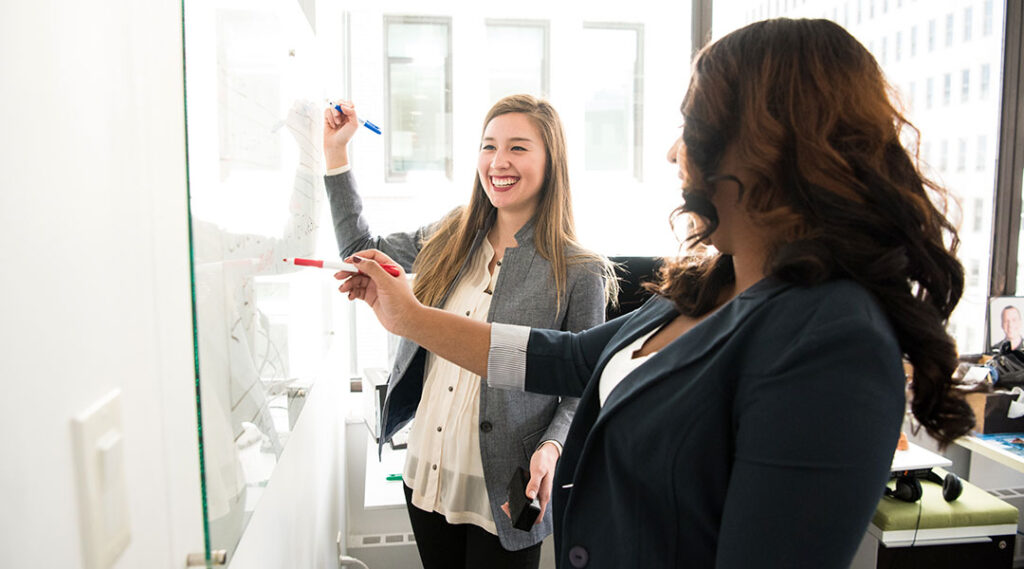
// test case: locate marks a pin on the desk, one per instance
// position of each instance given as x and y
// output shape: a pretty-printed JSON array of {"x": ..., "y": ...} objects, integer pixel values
[
  {"x": 379, "y": 492},
  {"x": 917, "y": 458},
  {"x": 993, "y": 450}
]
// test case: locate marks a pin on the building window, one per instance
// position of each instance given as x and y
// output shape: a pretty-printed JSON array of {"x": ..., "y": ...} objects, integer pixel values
[
  {"x": 418, "y": 87},
  {"x": 961, "y": 155},
  {"x": 949, "y": 30},
  {"x": 965, "y": 85},
  {"x": 943, "y": 155},
  {"x": 947, "y": 88},
  {"x": 979, "y": 154},
  {"x": 913, "y": 41},
  {"x": 885, "y": 50},
  {"x": 614, "y": 96},
  {"x": 929, "y": 92},
  {"x": 931, "y": 35},
  {"x": 913, "y": 94},
  {"x": 517, "y": 57},
  {"x": 983, "y": 89},
  {"x": 986, "y": 21},
  {"x": 968, "y": 23},
  {"x": 979, "y": 211},
  {"x": 899, "y": 45}
]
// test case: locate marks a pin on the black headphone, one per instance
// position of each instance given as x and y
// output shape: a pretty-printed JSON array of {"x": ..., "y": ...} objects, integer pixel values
[{"x": 908, "y": 486}]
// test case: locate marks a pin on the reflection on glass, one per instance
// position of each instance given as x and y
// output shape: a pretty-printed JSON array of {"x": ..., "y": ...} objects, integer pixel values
[
  {"x": 517, "y": 59},
  {"x": 969, "y": 49},
  {"x": 255, "y": 195},
  {"x": 418, "y": 128},
  {"x": 612, "y": 97}
]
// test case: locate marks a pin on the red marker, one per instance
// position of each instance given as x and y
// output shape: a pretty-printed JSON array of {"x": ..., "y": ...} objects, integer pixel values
[{"x": 338, "y": 265}]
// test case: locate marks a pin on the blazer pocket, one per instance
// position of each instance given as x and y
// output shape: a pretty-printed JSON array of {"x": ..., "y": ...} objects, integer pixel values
[{"x": 531, "y": 441}]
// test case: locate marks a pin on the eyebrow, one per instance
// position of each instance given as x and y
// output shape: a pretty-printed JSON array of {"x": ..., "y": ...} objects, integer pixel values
[{"x": 514, "y": 139}]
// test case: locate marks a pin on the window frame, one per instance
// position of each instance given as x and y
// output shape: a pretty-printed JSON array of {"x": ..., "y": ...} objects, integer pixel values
[
  {"x": 391, "y": 175},
  {"x": 545, "y": 26}
]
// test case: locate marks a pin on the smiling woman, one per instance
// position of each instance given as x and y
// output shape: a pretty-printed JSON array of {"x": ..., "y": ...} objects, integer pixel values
[{"x": 510, "y": 256}]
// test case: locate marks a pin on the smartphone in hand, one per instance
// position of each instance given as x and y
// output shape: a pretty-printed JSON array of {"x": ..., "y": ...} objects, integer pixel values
[{"x": 524, "y": 510}]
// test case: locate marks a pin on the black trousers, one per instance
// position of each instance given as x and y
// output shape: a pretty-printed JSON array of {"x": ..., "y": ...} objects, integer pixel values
[{"x": 456, "y": 546}]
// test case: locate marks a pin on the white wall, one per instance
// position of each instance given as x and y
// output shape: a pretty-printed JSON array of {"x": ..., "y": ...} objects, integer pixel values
[
  {"x": 95, "y": 288},
  {"x": 95, "y": 295}
]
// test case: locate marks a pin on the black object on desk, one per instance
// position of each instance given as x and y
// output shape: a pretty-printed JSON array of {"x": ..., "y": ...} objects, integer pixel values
[{"x": 524, "y": 510}]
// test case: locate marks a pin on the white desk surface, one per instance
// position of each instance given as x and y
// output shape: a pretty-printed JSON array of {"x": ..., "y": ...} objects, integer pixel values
[
  {"x": 992, "y": 450},
  {"x": 917, "y": 457},
  {"x": 378, "y": 491}
]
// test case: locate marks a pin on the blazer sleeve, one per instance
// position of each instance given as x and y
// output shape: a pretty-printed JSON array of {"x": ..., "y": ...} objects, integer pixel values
[
  {"x": 814, "y": 439},
  {"x": 585, "y": 308},
  {"x": 551, "y": 362},
  {"x": 353, "y": 233}
]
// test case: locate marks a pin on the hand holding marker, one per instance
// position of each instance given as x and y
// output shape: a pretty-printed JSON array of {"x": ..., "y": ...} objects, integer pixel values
[
  {"x": 362, "y": 121},
  {"x": 338, "y": 265}
]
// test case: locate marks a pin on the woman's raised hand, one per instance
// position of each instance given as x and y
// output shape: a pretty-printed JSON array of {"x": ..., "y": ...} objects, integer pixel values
[
  {"x": 390, "y": 297},
  {"x": 339, "y": 128}
]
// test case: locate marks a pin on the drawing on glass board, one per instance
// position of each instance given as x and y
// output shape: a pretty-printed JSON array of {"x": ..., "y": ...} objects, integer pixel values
[{"x": 255, "y": 197}]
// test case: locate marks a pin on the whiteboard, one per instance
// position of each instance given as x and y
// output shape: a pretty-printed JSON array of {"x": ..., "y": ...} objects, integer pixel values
[{"x": 262, "y": 329}]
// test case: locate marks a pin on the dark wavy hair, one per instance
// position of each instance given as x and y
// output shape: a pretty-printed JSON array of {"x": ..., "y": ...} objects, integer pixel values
[{"x": 807, "y": 109}]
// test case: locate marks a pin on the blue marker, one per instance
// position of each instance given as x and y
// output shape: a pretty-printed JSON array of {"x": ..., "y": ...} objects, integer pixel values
[{"x": 362, "y": 121}]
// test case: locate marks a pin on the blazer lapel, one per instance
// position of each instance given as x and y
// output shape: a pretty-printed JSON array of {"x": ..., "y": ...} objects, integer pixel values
[{"x": 706, "y": 336}]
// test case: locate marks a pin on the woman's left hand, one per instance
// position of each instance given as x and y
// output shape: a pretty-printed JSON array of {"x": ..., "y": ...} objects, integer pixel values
[{"x": 542, "y": 474}]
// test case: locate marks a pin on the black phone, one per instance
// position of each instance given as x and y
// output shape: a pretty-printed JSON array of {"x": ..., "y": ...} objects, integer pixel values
[{"x": 524, "y": 510}]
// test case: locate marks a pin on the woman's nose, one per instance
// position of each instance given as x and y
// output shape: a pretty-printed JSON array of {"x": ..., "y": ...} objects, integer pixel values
[{"x": 673, "y": 151}]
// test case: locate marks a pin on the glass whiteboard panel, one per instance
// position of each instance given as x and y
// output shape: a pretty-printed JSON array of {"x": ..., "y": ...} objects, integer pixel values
[{"x": 262, "y": 329}]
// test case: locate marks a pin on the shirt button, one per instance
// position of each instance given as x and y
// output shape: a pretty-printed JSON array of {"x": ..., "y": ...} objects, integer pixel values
[
  {"x": 499, "y": 263},
  {"x": 578, "y": 556},
  {"x": 467, "y": 313},
  {"x": 433, "y": 467},
  {"x": 450, "y": 388},
  {"x": 439, "y": 429},
  {"x": 486, "y": 426}
]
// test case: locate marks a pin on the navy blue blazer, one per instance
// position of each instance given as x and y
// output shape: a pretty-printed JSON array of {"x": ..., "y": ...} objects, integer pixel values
[{"x": 762, "y": 437}]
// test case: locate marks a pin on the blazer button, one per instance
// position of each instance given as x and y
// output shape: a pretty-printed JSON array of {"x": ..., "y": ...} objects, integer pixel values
[
  {"x": 486, "y": 426},
  {"x": 578, "y": 556}
]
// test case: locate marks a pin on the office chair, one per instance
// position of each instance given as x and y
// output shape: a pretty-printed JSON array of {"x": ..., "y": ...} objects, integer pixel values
[{"x": 632, "y": 271}]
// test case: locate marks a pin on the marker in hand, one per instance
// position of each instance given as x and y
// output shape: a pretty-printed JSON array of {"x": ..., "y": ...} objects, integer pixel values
[
  {"x": 362, "y": 121},
  {"x": 339, "y": 265}
]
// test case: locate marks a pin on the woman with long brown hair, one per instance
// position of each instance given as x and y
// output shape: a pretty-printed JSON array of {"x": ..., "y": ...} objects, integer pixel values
[
  {"x": 747, "y": 415},
  {"x": 509, "y": 256}
]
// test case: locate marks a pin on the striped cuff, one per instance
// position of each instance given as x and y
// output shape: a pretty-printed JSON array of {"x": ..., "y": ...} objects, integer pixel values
[
  {"x": 506, "y": 360},
  {"x": 338, "y": 170}
]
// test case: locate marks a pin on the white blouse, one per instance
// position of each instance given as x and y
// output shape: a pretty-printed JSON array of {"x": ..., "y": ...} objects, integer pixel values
[
  {"x": 622, "y": 364},
  {"x": 443, "y": 465}
]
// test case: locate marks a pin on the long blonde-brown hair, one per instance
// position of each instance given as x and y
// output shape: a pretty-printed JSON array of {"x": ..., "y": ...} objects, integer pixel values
[{"x": 554, "y": 228}]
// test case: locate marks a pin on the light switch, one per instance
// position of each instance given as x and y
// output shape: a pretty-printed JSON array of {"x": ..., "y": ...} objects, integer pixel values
[{"x": 103, "y": 497}]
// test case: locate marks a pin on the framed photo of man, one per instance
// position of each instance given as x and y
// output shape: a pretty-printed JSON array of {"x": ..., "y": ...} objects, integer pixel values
[{"x": 1006, "y": 321}]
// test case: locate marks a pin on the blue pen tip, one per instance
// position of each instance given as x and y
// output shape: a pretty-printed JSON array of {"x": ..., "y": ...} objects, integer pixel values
[{"x": 371, "y": 126}]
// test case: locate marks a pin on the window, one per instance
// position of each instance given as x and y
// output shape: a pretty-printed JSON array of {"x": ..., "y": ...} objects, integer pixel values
[
  {"x": 884, "y": 55},
  {"x": 931, "y": 35},
  {"x": 986, "y": 22},
  {"x": 979, "y": 215},
  {"x": 913, "y": 94},
  {"x": 943, "y": 155},
  {"x": 947, "y": 88},
  {"x": 517, "y": 57},
  {"x": 983, "y": 89},
  {"x": 929, "y": 92},
  {"x": 968, "y": 22},
  {"x": 418, "y": 80},
  {"x": 965, "y": 85},
  {"x": 949, "y": 30},
  {"x": 613, "y": 96},
  {"x": 913, "y": 41},
  {"x": 979, "y": 163},
  {"x": 961, "y": 155},
  {"x": 899, "y": 45}
]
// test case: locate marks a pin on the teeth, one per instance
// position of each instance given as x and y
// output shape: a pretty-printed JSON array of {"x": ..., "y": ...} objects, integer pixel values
[{"x": 504, "y": 182}]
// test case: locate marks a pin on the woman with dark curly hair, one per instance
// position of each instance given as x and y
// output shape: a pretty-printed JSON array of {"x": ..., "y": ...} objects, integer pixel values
[{"x": 747, "y": 415}]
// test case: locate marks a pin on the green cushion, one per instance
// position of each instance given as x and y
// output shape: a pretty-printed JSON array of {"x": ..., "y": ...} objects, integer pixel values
[{"x": 974, "y": 507}]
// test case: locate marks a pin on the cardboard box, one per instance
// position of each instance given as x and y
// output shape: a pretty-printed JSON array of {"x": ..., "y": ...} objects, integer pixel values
[{"x": 990, "y": 413}]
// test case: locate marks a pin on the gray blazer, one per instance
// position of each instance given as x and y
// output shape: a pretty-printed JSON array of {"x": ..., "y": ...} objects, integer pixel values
[{"x": 512, "y": 424}]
